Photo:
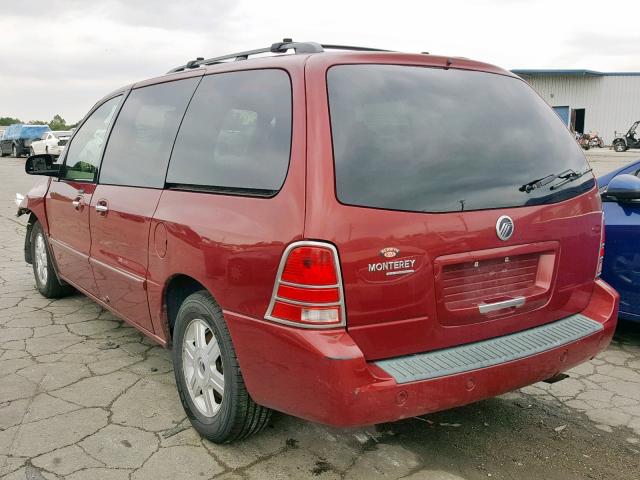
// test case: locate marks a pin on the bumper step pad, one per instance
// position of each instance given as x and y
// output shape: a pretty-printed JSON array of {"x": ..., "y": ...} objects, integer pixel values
[{"x": 488, "y": 353}]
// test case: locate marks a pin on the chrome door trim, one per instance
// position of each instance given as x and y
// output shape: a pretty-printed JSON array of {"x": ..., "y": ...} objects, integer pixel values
[
  {"x": 67, "y": 247},
  {"x": 131, "y": 276}
]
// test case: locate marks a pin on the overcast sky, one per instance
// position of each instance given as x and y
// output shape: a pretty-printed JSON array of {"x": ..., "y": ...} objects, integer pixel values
[{"x": 60, "y": 56}]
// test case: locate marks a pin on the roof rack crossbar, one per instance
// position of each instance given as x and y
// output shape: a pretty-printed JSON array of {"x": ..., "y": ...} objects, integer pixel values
[{"x": 280, "y": 47}]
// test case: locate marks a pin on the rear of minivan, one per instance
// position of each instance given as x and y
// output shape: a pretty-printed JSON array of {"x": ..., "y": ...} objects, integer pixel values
[
  {"x": 350, "y": 238},
  {"x": 448, "y": 254}
]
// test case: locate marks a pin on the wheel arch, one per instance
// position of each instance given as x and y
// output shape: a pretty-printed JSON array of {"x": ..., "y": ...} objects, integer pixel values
[
  {"x": 33, "y": 218},
  {"x": 177, "y": 288}
]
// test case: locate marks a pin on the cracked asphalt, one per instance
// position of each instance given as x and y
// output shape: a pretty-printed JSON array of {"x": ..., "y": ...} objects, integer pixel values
[{"x": 85, "y": 396}]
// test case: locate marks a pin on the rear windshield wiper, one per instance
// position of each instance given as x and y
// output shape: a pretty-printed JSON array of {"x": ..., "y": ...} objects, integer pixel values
[
  {"x": 566, "y": 175},
  {"x": 571, "y": 178}
]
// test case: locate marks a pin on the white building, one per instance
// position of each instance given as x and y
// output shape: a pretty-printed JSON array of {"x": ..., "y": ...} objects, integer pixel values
[{"x": 590, "y": 101}]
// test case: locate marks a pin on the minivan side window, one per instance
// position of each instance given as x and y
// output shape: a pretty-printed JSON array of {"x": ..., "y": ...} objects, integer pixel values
[
  {"x": 83, "y": 156},
  {"x": 236, "y": 134},
  {"x": 140, "y": 143}
]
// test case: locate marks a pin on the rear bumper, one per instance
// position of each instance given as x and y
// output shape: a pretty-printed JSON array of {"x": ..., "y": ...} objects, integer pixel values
[{"x": 323, "y": 376}]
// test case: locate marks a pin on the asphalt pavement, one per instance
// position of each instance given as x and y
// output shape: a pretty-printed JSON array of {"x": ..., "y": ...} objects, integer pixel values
[{"x": 85, "y": 396}]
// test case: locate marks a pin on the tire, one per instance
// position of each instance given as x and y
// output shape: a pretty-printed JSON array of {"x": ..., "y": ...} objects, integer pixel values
[
  {"x": 600, "y": 143},
  {"x": 619, "y": 147},
  {"x": 221, "y": 417},
  {"x": 14, "y": 151},
  {"x": 47, "y": 281}
]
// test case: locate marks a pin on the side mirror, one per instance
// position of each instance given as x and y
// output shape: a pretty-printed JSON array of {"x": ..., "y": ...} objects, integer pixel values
[
  {"x": 623, "y": 188},
  {"x": 41, "y": 165}
]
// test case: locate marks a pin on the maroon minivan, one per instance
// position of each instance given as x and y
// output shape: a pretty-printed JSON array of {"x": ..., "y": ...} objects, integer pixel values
[{"x": 346, "y": 235}]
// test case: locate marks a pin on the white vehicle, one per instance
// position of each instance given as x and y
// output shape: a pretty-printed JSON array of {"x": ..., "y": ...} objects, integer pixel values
[{"x": 51, "y": 142}]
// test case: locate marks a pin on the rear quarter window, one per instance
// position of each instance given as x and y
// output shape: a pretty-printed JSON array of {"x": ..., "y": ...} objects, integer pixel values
[
  {"x": 236, "y": 134},
  {"x": 434, "y": 140}
]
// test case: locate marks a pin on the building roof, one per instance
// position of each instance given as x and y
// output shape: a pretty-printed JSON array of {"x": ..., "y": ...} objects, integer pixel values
[{"x": 574, "y": 73}]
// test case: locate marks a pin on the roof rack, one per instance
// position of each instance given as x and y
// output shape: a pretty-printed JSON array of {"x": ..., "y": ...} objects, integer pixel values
[{"x": 279, "y": 47}]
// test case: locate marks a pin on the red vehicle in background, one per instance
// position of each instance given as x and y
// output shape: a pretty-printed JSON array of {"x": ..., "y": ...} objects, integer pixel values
[{"x": 305, "y": 234}]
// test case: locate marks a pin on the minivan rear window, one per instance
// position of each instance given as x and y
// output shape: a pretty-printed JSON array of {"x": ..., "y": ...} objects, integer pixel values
[{"x": 434, "y": 140}]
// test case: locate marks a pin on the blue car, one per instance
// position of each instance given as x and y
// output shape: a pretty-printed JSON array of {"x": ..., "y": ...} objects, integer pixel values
[{"x": 621, "y": 204}]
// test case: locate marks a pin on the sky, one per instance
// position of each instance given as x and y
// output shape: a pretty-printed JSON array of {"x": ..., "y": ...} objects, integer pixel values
[{"x": 61, "y": 56}]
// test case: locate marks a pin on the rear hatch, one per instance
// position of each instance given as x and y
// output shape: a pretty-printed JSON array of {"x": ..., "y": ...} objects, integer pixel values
[{"x": 464, "y": 210}]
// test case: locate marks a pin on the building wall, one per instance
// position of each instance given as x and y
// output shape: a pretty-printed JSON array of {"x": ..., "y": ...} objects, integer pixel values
[{"x": 611, "y": 103}]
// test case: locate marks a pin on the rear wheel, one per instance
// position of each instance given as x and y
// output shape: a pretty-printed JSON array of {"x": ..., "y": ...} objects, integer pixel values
[
  {"x": 619, "y": 147},
  {"x": 46, "y": 279},
  {"x": 208, "y": 376}
]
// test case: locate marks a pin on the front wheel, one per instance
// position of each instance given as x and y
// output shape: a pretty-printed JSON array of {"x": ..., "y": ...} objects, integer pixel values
[
  {"x": 47, "y": 281},
  {"x": 208, "y": 376}
]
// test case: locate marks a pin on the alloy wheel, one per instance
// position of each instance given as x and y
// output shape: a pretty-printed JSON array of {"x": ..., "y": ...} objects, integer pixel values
[
  {"x": 202, "y": 367},
  {"x": 40, "y": 260}
]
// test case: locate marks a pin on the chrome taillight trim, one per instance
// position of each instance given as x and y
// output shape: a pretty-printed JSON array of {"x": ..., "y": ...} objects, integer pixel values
[
  {"x": 278, "y": 281},
  {"x": 302, "y": 285},
  {"x": 307, "y": 304}
]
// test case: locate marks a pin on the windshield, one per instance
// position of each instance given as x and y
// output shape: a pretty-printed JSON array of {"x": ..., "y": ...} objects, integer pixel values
[{"x": 435, "y": 140}]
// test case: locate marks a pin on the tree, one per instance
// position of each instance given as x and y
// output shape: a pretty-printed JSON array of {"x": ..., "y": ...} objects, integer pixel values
[
  {"x": 58, "y": 123},
  {"x": 6, "y": 121}
]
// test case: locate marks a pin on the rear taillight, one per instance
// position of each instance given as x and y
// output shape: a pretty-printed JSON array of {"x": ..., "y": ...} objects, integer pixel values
[
  {"x": 601, "y": 250},
  {"x": 308, "y": 288}
]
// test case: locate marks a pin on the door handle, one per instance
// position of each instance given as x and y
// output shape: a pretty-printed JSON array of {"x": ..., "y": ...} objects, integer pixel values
[
  {"x": 78, "y": 202},
  {"x": 492, "y": 307},
  {"x": 102, "y": 207}
]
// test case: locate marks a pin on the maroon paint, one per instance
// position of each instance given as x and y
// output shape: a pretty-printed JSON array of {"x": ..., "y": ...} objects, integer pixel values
[
  {"x": 374, "y": 305},
  {"x": 69, "y": 230},
  {"x": 232, "y": 245},
  {"x": 119, "y": 248},
  {"x": 33, "y": 201},
  {"x": 324, "y": 377}
]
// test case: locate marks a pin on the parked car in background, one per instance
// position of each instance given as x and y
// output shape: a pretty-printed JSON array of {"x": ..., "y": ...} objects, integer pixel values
[
  {"x": 18, "y": 138},
  {"x": 306, "y": 236},
  {"x": 52, "y": 142},
  {"x": 620, "y": 191}
]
